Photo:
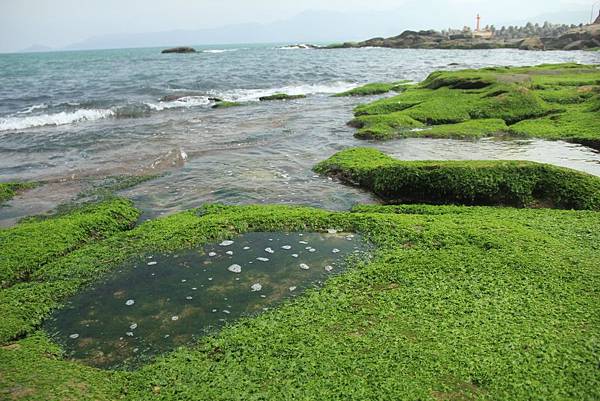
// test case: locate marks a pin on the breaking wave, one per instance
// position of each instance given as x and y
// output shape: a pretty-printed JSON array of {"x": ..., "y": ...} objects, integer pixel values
[
  {"x": 249, "y": 95},
  {"x": 217, "y": 51},
  {"x": 185, "y": 101},
  {"x": 62, "y": 118}
]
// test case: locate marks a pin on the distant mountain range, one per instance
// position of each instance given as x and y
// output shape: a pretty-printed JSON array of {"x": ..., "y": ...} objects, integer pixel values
[{"x": 310, "y": 26}]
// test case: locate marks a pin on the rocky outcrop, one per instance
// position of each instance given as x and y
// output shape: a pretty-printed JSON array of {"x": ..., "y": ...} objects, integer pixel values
[
  {"x": 179, "y": 50},
  {"x": 586, "y": 37},
  {"x": 534, "y": 43}
]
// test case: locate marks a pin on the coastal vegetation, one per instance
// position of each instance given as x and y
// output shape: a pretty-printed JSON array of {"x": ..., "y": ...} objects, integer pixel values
[
  {"x": 446, "y": 286},
  {"x": 554, "y": 102}
]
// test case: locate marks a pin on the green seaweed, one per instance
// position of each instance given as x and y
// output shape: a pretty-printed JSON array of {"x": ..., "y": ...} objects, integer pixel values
[
  {"x": 375, "y": 88},
  {"x": 491, "y": 182},
  {"x": 549, "y": 101},
  {"x": 457, "y": 302},
  {"x": 226, "y": 105},
  {"x": 27, "y": 247},
  {"x": 280, "y": 96}
]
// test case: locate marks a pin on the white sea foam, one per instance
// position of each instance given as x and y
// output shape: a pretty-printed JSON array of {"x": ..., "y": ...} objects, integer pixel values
[
  {"x": 33, "y": 108},
  {"x": 217, "y": 51},
  {"x": 62, "y": 118},
  {"x": 249, "y": 95},
  {"x": 296, "y": 47},
  {"x": 186, "y": 101}
]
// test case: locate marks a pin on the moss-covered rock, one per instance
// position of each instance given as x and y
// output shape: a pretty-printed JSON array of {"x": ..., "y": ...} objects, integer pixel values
[
  {"x": 376, "y": 88},
  {"x": 458, "y": 302},
  {"x": 28, "y": 247},
  {"x": 280, "y": 96},
  {"x": 510, "y": 183},
  {"x": 548, "y": 101},
  {"x": 226, "y": 105}
]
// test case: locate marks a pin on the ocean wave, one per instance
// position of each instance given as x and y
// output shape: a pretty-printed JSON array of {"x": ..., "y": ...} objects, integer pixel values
[
  {"x": 33, "y": 108},
  {"x": 185, "y": 101},
  {"x": 217, "y": 51},
  {"x": 250, "y": 95},
  {"x": 297, "y": 47},
  {"x": 62, "y": 118}
]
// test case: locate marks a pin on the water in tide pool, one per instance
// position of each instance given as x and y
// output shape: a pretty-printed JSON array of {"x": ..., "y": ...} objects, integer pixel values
[
  {"x": 70, "y": 118},
  {"x": 161, "y": 301}
]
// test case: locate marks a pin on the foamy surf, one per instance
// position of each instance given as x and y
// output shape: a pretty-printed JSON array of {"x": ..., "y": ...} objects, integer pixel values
[
  {"x": 33, "y": 108},
  {"x": 62, "y": 118},
  {"x": 218, "y": 51},
  {"x": 250, "y": 95},
  {"x": 186, "y": 101}
]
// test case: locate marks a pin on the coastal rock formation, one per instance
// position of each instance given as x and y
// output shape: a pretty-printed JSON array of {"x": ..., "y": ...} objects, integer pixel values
[
  {"x": 179, "y": 50},
  {"x": 585, "y": 37}
]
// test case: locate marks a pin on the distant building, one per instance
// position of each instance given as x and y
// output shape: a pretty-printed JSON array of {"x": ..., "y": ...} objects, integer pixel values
[{"x": 481, "y": 33}]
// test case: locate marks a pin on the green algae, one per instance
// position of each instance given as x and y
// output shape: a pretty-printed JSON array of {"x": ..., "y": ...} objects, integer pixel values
[
  {"x": 491, "y": 182},
  {"x": 458, "y": 302},
  {"x": 280, "y": 96},
  {"x": 27, "y": 247},
  {"x": 227, "y": 105},
  {"x": 375, "y": 88},
  {"x": 548, "y": 101},
  {"x": 9, "y": 189}
]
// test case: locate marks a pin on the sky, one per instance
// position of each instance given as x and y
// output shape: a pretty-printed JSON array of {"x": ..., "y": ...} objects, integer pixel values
[{"x": 59, "y": 23}]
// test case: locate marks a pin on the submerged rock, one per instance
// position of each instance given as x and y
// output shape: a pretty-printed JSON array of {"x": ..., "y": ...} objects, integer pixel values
[
  {"x": 226, "y": 243},
  {"x": 256, "y": 287}
]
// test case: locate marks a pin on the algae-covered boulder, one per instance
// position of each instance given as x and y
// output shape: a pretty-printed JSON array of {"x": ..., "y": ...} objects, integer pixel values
[
  {"x": 490, "y": 182},
  {"x": 280, "y": 96},
  {"x": 376, "y": 88},
  {"x": 226, "y": 105}
]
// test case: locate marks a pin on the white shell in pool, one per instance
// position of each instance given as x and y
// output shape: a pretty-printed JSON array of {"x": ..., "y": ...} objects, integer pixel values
[{"x": 235, "y": 268}]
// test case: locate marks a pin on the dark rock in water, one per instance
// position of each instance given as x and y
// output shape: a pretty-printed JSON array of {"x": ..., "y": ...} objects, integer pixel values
[
  {"x": 280, "y": 96},
  {"x": 179, "y": 50}
]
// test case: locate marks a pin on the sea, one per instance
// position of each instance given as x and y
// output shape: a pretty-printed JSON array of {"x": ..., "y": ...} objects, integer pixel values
[{"x": 70, "y": 119}]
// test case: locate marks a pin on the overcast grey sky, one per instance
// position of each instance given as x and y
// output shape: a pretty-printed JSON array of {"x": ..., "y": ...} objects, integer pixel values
[{"x": 57, "y": 23}]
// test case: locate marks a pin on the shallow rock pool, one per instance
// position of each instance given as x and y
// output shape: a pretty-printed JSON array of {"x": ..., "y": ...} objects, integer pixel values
[{"x": 153, "y": 304}]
